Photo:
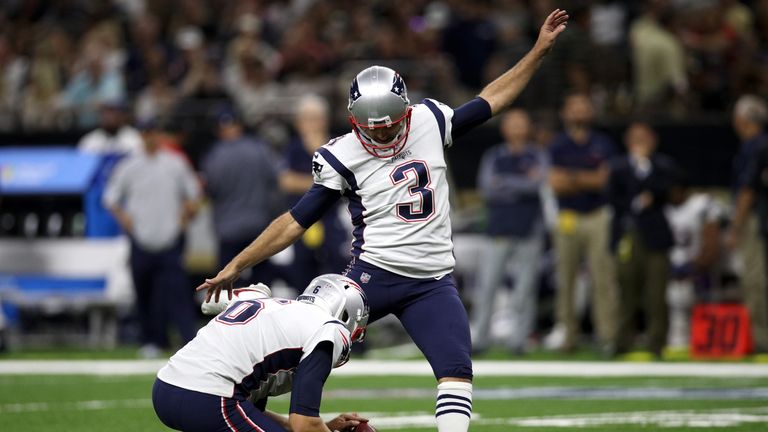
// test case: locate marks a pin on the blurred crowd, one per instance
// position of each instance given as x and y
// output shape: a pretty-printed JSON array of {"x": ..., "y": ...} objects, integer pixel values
[{"x": 61, "y": 59}]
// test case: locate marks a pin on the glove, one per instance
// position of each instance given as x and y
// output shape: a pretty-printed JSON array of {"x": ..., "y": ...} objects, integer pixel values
[{"x": 252, "y": 292}]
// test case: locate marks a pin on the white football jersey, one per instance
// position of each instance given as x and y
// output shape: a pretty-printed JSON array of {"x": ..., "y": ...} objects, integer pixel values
[
  {"x": 399, "y": 205},
  {"x": 687, "y": 221},
  {"x": 254, "y": 347}
]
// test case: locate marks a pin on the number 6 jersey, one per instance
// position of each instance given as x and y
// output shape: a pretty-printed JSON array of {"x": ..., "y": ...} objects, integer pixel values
[{"x": 399, "y": 205}]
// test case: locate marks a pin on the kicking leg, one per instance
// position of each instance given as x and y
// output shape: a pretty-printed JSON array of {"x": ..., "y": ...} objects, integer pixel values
[{"x": 437, "y": 322}]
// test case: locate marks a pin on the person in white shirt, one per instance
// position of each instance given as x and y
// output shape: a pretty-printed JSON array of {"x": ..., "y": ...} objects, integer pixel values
[
  {"x": 153, "y": 195},
  {"x": 114, "y": 135},
  {"x": 260, "y": 347},
  {"x": 392, "y": 169}
]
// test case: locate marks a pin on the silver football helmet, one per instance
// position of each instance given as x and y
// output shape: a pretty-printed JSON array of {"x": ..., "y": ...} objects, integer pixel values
[
  {"x": 379, "y": 111},
  {"x": 341, "y": 297}
]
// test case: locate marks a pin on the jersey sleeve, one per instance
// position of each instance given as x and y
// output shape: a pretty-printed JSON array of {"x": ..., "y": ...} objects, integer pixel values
[
  {"x": 444, "y": 116},
  {"x": 335, "y": 333},
  {"x": 324, "y": 174},
  {"x": 313, "y": 205},
  {"x": 469, "y": 116},
  {"x": 309, "y": 379}
]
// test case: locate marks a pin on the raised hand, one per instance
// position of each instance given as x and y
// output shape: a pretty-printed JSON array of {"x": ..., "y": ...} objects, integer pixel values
[{"x": 552, "y": 27}]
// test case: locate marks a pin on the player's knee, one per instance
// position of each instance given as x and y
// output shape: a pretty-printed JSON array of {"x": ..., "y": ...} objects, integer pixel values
[{"x": 460, "y": 371}]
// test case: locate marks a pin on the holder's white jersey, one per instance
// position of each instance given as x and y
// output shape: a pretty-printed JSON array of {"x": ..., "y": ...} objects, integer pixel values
[
  {"x": 254, "y": 347},
  {"x": 399, "y": 205}
]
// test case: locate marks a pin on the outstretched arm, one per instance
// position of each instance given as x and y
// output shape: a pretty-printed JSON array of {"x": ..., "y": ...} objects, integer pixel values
[
  {"x": 504, "y": 90},
  {"x": 281, "y": 233}
]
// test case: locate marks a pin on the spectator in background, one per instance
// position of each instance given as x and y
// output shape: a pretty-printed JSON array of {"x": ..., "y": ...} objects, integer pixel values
[
  {"x": 13, "y": 69},
  {"x": 114, "y": 135},
  {"x": 253, "y": 90},
  {"x": 153, "y": 196},
  {"x": 608, "y": 33},
  {"x": 146, "y": 52},
  {"x": 325, "y": 246},
  {"x": 249, "y": 70},
  {"x": 695, "y": 222},
  {"x": 641, "y": 237},
  {"x": 241, "y": 181},
  {"x": 39, "y": 107},
  {"x": 713, "y": 53},
  {"x": 580, "y": 169},
  {"x": 739, "y": 18},
  {"x": 748, "y": 227},
  {"x": 156, "y": 99},
  {"x": 113, "y": 139},
  {"x": 93, "y": 85},
  {"x": 471, "y": 39},
  {"x": 658, "y": 58},
  {"x": 511, "y": 177}
]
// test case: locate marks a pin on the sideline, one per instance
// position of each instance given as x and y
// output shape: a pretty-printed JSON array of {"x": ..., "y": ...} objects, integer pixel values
[{"x": 416, "y": 368}]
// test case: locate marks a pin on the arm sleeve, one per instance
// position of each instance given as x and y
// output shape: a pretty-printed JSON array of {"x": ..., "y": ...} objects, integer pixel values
[
  {"x": 470, "y": 115},
  {"x": 308, "y": 381},
  {"x": 314, "y": 204}
]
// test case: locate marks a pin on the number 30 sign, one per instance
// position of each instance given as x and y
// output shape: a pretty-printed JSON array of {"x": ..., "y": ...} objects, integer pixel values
[{"x": 720, "y": 331}]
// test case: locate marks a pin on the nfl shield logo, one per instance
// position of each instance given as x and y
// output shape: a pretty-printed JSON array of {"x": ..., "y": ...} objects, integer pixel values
[{"x": 365, "y": 277}]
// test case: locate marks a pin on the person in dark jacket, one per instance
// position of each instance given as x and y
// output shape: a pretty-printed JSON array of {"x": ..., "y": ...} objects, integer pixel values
[{"x": 641, "y": 236}]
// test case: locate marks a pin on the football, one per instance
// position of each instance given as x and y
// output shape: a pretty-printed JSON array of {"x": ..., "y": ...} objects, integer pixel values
[{"x": 364, "y": 427}]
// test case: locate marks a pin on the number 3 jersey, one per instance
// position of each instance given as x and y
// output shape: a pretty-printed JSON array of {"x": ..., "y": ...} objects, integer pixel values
[
  {"x": 254, "y": 347},
  {"x": 399, "y": 205}
]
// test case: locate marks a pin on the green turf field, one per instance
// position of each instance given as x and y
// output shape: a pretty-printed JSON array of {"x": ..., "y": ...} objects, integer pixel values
[{"x": 97, "y": 403}]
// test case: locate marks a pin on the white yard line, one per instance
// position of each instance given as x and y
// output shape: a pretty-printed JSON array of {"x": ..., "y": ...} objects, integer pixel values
[
  {"x": 659, "y": 419},
  {"x": 656, "y": 419},
  {"x": 574, "y": 393},
  {"x": 89, "y": 405},
  {"x": 416, "y": 368}
]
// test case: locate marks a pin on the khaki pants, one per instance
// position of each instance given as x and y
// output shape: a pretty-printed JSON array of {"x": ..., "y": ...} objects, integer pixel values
[
  {"x": 643, "y": 276},
  {"x": 584, "y": 236},
  {"x": 753, "y": 281}
]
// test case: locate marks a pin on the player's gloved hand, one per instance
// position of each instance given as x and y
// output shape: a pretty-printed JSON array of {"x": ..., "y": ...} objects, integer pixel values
[
  {"x": 252, "y": 292},
  {"x": 222, "y": 281},
  {"x": 345, "y": 422}
]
